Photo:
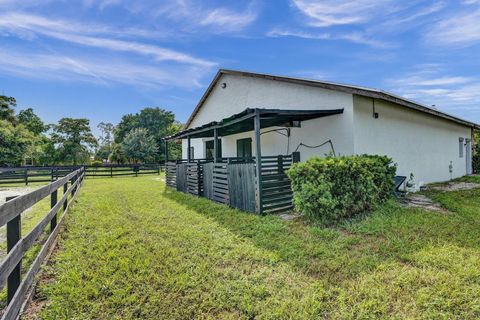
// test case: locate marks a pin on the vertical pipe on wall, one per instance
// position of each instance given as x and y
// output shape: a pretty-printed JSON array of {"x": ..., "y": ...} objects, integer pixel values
[{"x": 258, "y": 161}]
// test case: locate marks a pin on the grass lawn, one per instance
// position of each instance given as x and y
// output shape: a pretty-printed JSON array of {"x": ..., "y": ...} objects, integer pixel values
[{"x": 134, "y": 250}]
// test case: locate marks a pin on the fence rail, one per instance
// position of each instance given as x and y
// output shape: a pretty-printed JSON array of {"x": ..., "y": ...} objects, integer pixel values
[
  {"x": 17, "y": 246},
  {"x": 26, "y": 175}
]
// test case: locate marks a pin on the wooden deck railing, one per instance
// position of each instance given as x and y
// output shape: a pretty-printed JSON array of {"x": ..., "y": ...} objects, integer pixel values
[{"x": 17, "y": 246}]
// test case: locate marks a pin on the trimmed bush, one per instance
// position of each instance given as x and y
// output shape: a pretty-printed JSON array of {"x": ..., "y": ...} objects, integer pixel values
[{"x": 329, "y": 189}]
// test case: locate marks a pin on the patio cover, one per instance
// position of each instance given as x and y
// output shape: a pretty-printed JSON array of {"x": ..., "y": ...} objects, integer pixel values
[{"x": 242, "y": 122}]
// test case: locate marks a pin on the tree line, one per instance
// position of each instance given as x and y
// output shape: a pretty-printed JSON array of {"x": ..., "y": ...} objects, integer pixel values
[{"x": 26, "y": 140}]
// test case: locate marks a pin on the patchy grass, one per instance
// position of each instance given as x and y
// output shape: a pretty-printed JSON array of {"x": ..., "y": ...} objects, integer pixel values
[{"x": 133, "y": 250}]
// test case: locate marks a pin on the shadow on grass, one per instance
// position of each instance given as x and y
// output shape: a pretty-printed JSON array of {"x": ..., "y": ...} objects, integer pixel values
[
  {"x": 389, "y": 234},
  {"x": 330, "y": 253}
]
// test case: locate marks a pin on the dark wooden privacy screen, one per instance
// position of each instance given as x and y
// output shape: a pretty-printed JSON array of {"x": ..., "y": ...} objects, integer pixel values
[
  {"x": 277, "y": 192},
  {"x": 10, "y": 215},
  {"x": 233, "y": 181}
]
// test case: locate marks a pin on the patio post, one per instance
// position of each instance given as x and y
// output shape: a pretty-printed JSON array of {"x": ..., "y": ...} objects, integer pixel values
[
  {"x": 258, "y": 161},
  {"x": 166, "y": 151},
  {"x": 215, "y": 144},
  {"x": 189, "y": 155}
]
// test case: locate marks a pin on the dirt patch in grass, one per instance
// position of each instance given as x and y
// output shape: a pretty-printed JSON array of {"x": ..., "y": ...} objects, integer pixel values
[
  {"x": 423, "y": 202},
  {"x": 456, "y": 186},
  {"x": 290, "y": 216},
  {"x": 14, "y": 191}
]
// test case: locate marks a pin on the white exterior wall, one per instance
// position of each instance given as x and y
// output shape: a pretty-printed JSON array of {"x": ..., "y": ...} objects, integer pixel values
[
  {"x": 246, "y": 92},
  {"x": 419, "y": 143}
]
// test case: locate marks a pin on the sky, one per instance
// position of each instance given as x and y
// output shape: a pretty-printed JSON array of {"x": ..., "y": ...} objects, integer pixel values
[{"x": 103, "y": 59}]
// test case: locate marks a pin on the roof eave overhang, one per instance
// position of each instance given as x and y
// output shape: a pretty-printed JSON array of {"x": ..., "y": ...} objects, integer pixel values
[
  {"x": 241, "y": 122},
  {"x": 361, "y": 91}
]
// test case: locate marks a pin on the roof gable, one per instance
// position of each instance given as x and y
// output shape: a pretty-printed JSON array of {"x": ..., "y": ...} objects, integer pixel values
[{"x": 362, "y": 91}]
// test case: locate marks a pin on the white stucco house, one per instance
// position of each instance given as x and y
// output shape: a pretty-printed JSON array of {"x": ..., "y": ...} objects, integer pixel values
[{"x": 431, "y": 145}]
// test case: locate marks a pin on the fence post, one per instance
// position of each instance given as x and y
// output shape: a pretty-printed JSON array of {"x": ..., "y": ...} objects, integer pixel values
[
  {"x": 26, "y": 177},
  {"x": 158, "y": 169},
  {"x": 14, "y": 234},
  {"x": 51, "y": 173},
  {"x": 295, "y": 156},
  {"x": 75, "y": 178},
  {"x": 199, "y": 181},
  {"x": 65, "y": 188},
  {"x": 72, "y": 181},
  {"x": 111, "y": 172},
  {"x": 53, "y": 202},
  {"x": 280, "y": 164}
]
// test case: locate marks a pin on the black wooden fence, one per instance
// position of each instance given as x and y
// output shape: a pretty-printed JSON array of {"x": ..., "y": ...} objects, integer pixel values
[
  {"x": 194, "y": 173},
  {"x": 122, "y": 170},
  {"x": 233, "y": 181},
  {"x": 26, "y": 175},
  {"x": 277, "y": 192},
  {"x": 17, "y": 246},
  {"x": 220, "y": 183},
  {"x": 241, "y": 186},
  {"x": 171, "y": 174}
]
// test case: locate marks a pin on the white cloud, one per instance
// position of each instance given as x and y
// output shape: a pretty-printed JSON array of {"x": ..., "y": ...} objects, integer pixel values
[
  {"x": 22, "y": 25},
  {"x": 30, "y": 23},
  {"x": 369, "y": 22},
  {"x": 431, "y": 84},
  {"x": 191, "y": 16},
  {"x": 460, "y": 29},
  {"x": 408, "y": 19},
  {"x": 325, "y": 13},
  {"x": 436, "y": 81},
  {"x": 158, "y": 53},
  {"x": 104, "y": 71},
  {"x": 355, "y": 37},
  {"x": 228, "y": 20},
  {"x": 102, "y": 4},
  {"x": 274, "y": 33},
  {"x": 147, "y": 65}
]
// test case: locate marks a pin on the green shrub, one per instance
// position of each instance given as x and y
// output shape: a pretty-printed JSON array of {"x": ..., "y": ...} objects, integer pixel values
[
  {"x": 96, "y": 163},
  {"x": 329, "y": 189}
]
